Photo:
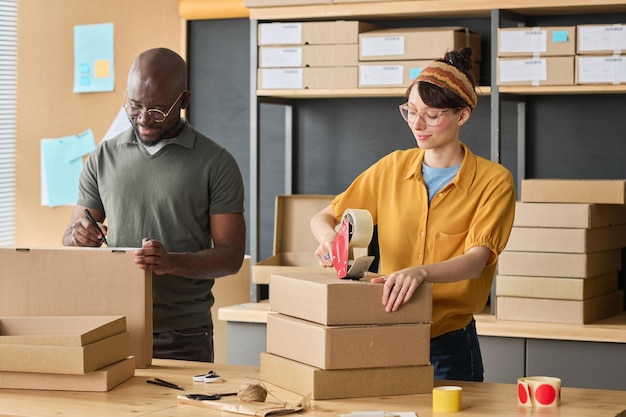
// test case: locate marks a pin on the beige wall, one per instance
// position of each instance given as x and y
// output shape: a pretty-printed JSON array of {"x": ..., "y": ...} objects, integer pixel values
[{"x": 47, "y": 107}]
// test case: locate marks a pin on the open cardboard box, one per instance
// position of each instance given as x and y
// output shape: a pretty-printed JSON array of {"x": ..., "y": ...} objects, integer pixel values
[
  {"x": 68, "y": 281},
  {"x": 294, "y": 243}
]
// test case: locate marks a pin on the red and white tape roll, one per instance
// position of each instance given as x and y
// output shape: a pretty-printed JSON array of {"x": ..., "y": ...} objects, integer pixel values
[{"x": 539, "y": 391}]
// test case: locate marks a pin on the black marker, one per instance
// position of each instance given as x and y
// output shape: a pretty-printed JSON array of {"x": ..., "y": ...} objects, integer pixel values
[
  {"x": 95, "y": 223},
  {"x": 163, "y": 383}
]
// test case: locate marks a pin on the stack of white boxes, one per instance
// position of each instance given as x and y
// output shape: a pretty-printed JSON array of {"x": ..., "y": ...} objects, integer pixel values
[
  {"x": 309, "y": 55},
  {"x": 533, "y": 56},
  {"x": 563, "y": 258},
  {"x": 394, "y": 57},
  {"x": 332, "y": 338},
  {"x": 600, "y": 58}
]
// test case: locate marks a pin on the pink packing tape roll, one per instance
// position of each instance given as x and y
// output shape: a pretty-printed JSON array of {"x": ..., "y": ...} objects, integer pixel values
[{"x": 539, "y": 391}]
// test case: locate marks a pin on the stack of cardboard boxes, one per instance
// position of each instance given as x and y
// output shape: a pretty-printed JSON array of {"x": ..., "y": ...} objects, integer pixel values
[
  {"x": 564, "y": 255},
  {"x": 394, "y": 57},
  {"x": 600, "y": 52},
  {"x": 332, "y": 338},
  {"x": 309, "y": 55}
]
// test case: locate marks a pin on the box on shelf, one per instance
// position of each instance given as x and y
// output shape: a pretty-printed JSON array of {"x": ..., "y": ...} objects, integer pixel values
[
  {"x": 572, "y": 215},
  {"x": 560, "y": 311},
  {"x": 62, "y": 345},
  {"x": 568, "y": 265},
  {"x": 601, "y": 39},
  {"x": 397, "y": 73},
  {"x": 602, "y": 70},
  {"x": 529, "y": 71},
  {"x": 416, "y": 43},
  {"x": 557, "y": 288},
  {"x": 330, "y": 301},
  {"x": 346, "y": 347},
  {"x": 308, "y": 78},
  {"x": 537, "y": 41},
  {"x": 566, "y": 240},
  {"x": 345, "y": 383},
  {"x": 294, "y": 243},
  {"x": 101, "y": 380},
  {"x": 311, "y": 33},
  {"x": 69, "y": 281},
  {"x": 574, "y": 191},
  {"x": 342, "y": 55}
]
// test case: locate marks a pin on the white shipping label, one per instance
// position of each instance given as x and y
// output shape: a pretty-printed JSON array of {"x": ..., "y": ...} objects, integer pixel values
[
  {"x": 517, "y": 70},
  {"x": 280, "y": 57},
  {"x": 381, "y": 75},
  {"x": 602, "y": 38},
  {"x": 280, "y": 33},
  {"x": 281, "y": 78},
  {"x": 382, "y": 46},
  {"x": 602, "y": 69},
  {"x": 533, "y": 41}
]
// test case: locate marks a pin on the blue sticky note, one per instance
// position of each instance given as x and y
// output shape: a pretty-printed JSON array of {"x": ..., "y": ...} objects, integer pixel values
[
  {"x": 79, "y": 145},
  {"x": 59, "y": 177},
  {"x": 414, "y": 72},
  {"x": 559, "y": 36},
  {"x": 93, "y": 45}
]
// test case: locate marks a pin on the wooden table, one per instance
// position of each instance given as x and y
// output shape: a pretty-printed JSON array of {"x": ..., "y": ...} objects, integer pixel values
[{"x": 137, "y": 398}]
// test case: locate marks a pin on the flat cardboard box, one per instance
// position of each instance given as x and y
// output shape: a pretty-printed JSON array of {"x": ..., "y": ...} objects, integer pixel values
[
  {"x": 560, "y": 311},
  {"x": 416, "y": 43},
  {"x": 101, "y": 380},
  {"x": 342, "y": 55},
  {"x": 530, "y": 71},
  {"x": 311, "y": 33},
  {"x": 573, "y": 191},
  {"x": 568, "y": 265},
  {"x": 330, "y": 78},
  {"x": 537, "y": 41},
  {"x": 64, "y": 359},
  {"x": 557, "y": 288},
  {"x": 331, "y": 301},
  {"x": 294, "y": 243},
  {"x": 345, "y": 383},
  {"x": 600, "y": 39},
  {"x": 68, "y": 281},
  {"x": 601, "y": 70},
  {"x": 565, "y": 240},
  {"x": 572, "y": 215},
  {"x": 397, "y": 73},
  {"x": 346, "y": 347}
]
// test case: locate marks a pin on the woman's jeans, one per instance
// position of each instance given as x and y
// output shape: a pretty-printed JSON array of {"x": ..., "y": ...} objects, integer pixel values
[{"x": 456, "y": 355}]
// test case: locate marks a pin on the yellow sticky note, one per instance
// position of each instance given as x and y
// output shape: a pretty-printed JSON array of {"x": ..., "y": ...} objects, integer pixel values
[{"x": 102, "y": 68}]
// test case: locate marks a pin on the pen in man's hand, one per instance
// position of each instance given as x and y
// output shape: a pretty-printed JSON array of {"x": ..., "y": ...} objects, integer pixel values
[
  {"x": 95, "y": 223},
  {"x": 158, "y": 381}
]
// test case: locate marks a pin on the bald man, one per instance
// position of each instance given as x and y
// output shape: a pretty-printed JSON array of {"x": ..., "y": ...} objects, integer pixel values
[{"x": 174, "y": 194}]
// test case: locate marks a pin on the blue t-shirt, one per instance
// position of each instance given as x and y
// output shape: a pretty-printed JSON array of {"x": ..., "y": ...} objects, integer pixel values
[{"x": 437, "y": 178}]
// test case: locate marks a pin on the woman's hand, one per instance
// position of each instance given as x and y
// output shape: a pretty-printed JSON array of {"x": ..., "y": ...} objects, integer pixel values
[{"x": 400, "y": 286}]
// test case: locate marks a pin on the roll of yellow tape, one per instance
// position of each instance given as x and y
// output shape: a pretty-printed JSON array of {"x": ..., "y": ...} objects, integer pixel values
[
  {"x": 539, "y": 391},
  {"x": 447, "y": 399}
]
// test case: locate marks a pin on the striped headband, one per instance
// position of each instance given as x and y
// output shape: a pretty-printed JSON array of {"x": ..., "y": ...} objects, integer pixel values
[{"x": 449, "y": 78}]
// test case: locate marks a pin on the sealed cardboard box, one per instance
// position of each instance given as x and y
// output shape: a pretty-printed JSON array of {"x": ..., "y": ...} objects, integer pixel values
[
  {"x": 308, "y": 78},
  {"x": 416, "y": 43},
  {"x": 569, "y": 265},
  {"x": 331, "y": 301},
  {"x": 537, "y": 41},
  {"x": 311, "y": 33},
  {"x": 342, "y": 55},
  {"x": 601, "y": 70},
  {"x": 346, "y": 347},
  {"x": 101, "y": 380},
  {"x": 601, "y": 39},
  {"x": 574, "y": 191},
  {"x": 397, "y": 73},
  {"x": 572, "y": 215},
  {"x": 345, "y": 383},
  {"x": 529, "y": 71},
  {"x": 550, "y": 239},
  {"x": 560, "y": 311},
  {"x": 294, "y": 244},
  {"x": 70, "y": 281},
  {"x": 557, "y": 288}
]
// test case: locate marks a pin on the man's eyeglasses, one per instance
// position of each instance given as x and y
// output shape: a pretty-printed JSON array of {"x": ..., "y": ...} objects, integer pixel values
[
  {"x": 430, "y": 118},
  {"x": 155, "y": 114}
]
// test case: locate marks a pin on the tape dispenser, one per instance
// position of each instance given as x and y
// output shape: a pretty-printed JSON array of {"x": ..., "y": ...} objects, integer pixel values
[{"x": 349, "y": 251}]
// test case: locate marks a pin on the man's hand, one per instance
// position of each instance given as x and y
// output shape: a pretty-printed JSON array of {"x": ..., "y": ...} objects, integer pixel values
[{"x": 152, "y": 256}]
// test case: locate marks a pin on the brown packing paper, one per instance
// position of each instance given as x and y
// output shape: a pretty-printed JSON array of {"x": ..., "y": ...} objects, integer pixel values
[{"x": 250, "y": 408}]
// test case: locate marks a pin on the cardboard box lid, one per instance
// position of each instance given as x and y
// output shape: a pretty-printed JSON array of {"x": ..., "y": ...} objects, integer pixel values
[
  {"x": 70, "y": 281},
  {"x": 328, "y": 300},
  {"x": 59, "y": 331}
]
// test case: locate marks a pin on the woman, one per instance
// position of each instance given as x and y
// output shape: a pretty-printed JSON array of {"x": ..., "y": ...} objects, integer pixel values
[{"x": 444, "y": 215}]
